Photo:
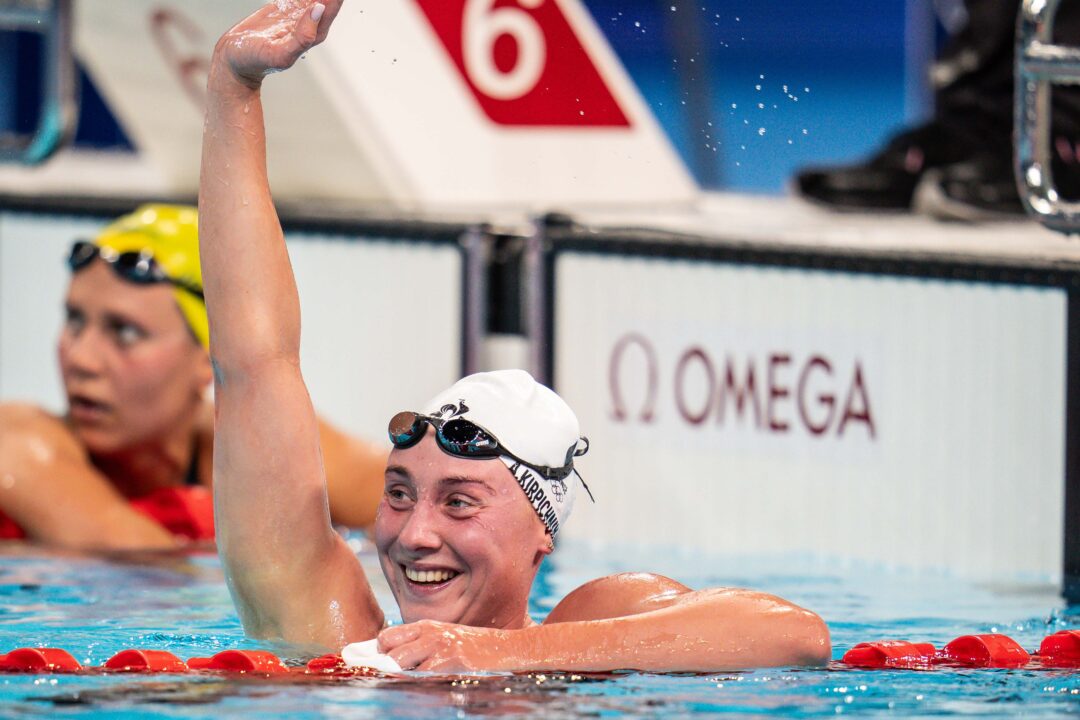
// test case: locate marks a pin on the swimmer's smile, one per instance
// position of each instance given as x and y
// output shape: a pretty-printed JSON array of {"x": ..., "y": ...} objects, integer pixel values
[{"x": 427, "y": 579}]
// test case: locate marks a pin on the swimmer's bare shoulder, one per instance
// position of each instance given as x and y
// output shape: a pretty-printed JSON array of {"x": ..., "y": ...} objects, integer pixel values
[
  {"x": 49, "y": 487},
  {"x": 617, "y": 596},
  {"x": 31, "y": 436}
]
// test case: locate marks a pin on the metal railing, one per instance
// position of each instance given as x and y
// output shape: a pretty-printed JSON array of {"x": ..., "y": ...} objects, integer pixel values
[
  {"x": 60, "y": 107},
  {"x": 1040, "y": 64}
]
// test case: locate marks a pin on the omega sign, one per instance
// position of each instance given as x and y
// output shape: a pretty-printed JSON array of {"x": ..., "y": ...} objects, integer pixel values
[{"x": 774, "y": 392}]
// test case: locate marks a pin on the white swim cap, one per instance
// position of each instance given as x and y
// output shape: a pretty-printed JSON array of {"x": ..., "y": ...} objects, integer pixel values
[{"x": 532, "y": 424}]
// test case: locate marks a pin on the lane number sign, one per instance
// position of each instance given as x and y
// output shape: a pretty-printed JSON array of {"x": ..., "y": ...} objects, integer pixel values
[{"x": 523, "y": 62}]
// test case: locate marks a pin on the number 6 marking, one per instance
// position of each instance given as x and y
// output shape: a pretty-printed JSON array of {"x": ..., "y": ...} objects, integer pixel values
[{"x": 483, "y": 25}]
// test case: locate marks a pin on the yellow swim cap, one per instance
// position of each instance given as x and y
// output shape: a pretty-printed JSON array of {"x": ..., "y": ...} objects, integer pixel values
[{"x": 171, "y": 234}]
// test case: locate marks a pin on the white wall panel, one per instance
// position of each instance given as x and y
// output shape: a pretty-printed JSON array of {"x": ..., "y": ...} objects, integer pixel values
[
  {"x": 381, "y": 326},
  {"x": 33, "y": 280},
  {"x": 951, "y": 458}
]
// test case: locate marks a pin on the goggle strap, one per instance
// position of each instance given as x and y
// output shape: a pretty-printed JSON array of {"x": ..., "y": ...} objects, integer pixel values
[
  {"x": 578, "y": 452},
  {"x": 584, "y": 485}
]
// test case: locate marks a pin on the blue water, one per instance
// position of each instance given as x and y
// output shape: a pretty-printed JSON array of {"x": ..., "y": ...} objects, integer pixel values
[{"x": 95, "y": 607}]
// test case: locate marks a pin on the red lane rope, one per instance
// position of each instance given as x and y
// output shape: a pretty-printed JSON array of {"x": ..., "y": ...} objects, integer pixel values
[
  {"x": 260, "y": 662},
  {"x": 1060, "y": 650}
]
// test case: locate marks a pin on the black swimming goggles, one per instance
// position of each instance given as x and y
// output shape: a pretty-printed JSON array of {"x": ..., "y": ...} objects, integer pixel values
[
  {"x": 462, "y": 438},
  {"x": 136, "y": 267}
]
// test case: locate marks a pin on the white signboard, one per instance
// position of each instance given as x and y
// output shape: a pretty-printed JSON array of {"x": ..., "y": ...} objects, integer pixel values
[
  {"x": 425, "y": 104},
  {"x": 753, "y": 410},
  {"x": 364, "y": 357}
]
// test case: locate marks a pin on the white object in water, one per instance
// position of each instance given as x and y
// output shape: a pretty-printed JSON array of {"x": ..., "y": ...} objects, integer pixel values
[{"x": 366, "y": 654}]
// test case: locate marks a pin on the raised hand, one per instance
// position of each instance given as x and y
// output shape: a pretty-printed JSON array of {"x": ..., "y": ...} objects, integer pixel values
[{"x": 273, "y": 37}]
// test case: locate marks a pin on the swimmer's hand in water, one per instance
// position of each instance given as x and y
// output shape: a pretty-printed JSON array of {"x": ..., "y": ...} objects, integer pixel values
[
  {"x": 274, "y": 37},
  {"x": 432, "y": 646}
]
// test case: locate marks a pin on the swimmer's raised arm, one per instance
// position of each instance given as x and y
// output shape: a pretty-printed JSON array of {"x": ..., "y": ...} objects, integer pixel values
[{"x": 292, "y": 577}]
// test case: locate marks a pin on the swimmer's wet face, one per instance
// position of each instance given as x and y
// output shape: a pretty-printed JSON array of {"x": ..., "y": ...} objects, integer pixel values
[
  {"x": 131, "y": 368},
  {"x": 457, "y": 539}
]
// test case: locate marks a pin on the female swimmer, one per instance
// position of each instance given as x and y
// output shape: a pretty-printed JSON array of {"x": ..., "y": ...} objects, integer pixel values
[
  {"x": 128, "y": 464},
  {"x": 477, "y": 486}
]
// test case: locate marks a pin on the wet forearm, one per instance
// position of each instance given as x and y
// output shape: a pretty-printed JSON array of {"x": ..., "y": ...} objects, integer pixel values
[
  {"x": 705, "y": 634},
  {"x": 250, "y": 291}
]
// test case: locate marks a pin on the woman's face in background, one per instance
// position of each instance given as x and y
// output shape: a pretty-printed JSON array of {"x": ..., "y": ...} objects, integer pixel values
[{"x": 131, "y": 368}]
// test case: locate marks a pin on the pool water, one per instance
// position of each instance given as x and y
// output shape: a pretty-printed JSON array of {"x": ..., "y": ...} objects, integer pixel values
[{"x": 95, "y": 606}]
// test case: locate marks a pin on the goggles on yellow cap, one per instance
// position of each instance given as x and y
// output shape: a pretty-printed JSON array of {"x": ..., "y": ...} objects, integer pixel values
[
  {"x": 137, "y": 267},
  {"x": 154, "y": 244}
]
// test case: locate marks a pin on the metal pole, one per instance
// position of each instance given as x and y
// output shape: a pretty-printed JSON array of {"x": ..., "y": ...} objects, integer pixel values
[
  {"x": 1039, "y": 65},
  {"x": 534, "y": 305},
  {"x": 476, "y": 242}
]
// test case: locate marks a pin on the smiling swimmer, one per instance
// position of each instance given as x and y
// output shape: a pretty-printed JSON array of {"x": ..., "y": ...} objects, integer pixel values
[{"x": 458, "y": 537}]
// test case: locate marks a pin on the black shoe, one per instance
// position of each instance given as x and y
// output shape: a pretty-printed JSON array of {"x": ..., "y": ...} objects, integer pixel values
[
  {"x": 887, "y": 181},
  {"x": 977, "y": 190},
  {"x": 984, "y": 188}
]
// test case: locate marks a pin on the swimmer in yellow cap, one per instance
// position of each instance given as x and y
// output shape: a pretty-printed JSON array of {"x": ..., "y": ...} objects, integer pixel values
[
  {"x": 478, "y": 485},
  {"x": 138, "y": 433}
]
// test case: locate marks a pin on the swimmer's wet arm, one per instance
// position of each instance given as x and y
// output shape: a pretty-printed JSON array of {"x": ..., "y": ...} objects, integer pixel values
[
  {"x": 698, "y": 631},
  {"x": 703, "y": 631},
  {"x": 291, "y": 576},
  {"x": 50, "y": 490}
]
